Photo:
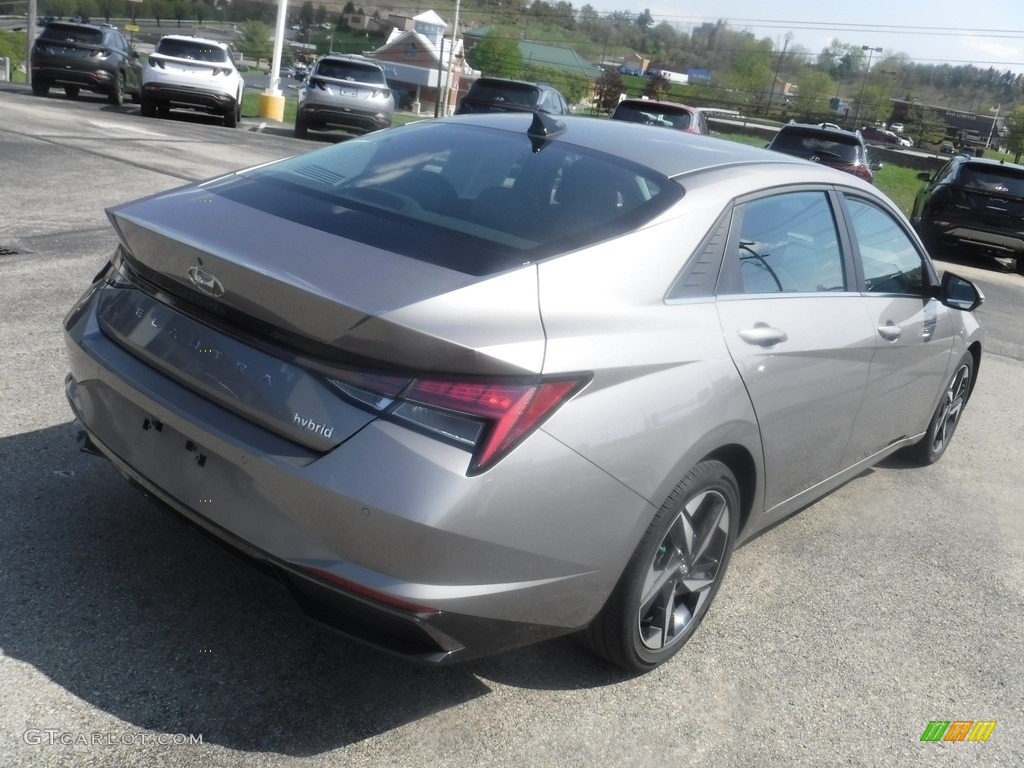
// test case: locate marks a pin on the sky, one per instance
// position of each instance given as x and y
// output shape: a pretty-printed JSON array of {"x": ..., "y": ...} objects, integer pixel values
[{"x": 980, "y": 32}]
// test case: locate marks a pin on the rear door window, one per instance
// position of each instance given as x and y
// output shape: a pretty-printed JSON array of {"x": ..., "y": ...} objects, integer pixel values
[{"x": 787, "y": 243}]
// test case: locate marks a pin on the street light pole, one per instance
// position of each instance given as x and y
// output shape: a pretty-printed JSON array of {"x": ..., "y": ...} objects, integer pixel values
[{"x": 871, "y": 51}]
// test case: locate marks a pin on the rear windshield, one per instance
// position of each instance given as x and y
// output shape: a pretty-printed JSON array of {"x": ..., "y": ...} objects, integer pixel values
[
  {"x": 993, "y": 178},
  {"x": 806, "y": 143},
  {"x": 666, "y": 117},
  {"x": 350, "y": 70},
  {"x": 192, "y": 49},
  {"x": 515, "y": 94},
  {"x": 477, "y": 200},
  {"x": 72, "y": 33}
]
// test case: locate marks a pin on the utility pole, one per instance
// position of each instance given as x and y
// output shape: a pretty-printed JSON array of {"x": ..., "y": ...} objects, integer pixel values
[
  {"x": 856, "y": 115},
  {"x": 775, "y": 78},
  {"x": 451, "y": 57},
  {"x": 30, "y": 37}
]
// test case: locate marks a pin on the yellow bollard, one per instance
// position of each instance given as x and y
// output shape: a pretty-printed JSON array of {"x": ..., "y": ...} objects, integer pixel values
[{"x": 272, "y": 106}]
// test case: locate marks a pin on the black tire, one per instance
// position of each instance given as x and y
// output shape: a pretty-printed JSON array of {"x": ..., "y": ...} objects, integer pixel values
[
  {"x": 116, "y": 95},
  {"x": 1018, "y": 265},
  {"x": 947, "y": 415},
  {"x": 232, "y": 115},
  {"x": 674, "y": 574},
  {"x": 301, "y": 127},
  {"x": 72, "y": 91},
  {"x": 40, "y": 87},
  {"x": 148, "y": 108}
]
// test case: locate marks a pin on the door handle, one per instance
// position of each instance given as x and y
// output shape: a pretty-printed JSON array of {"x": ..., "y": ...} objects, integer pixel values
[
  {"x": 890, "y": 331},
  {"x": 763, "y": 335}
]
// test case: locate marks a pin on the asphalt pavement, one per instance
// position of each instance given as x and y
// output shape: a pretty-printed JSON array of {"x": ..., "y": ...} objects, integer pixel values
[{"x": 128, "y": 640}]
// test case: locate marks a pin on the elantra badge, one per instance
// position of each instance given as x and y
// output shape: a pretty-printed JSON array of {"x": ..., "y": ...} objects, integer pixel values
[{"x": 204, "y": 281}]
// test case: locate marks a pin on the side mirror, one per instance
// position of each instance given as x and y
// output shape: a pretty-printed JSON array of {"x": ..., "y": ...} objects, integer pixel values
[
  {"x": 957, "y": 293},
  {"x": 924, "y": 176}
]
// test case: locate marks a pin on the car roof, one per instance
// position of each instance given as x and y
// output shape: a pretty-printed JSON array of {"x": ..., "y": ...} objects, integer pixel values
[
  {"x": 659, "y": 103},
  {"x": 977, "y": 162},
  {"x": 672, "y": 153},
  {"x": 509, "y": 80},
  {"x": 349, "y": 57}
]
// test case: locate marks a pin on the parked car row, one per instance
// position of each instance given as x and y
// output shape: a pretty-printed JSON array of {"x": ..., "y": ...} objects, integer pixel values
[{"x": 182, "y": 72}]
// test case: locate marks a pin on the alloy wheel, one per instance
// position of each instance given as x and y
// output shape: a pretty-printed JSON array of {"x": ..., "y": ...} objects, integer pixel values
[{"x": 684, "y": 569}]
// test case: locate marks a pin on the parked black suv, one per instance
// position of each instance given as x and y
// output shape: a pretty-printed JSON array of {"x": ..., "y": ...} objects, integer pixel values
[
  {"x": 95, "y": 57},
  {"x": 973, "y": 203},
  {"x": 494, "y": 94},
  {"x": 833, "y": 147}
]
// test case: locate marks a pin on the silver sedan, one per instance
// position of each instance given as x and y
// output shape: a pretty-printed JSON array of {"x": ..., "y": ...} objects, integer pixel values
[{"x": 470, "y": 383}]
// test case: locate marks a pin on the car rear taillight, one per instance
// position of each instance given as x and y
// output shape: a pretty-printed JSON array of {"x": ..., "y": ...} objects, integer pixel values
[
  {"x": 488, "y": 418},
  {"x": 864, "y": 172}
]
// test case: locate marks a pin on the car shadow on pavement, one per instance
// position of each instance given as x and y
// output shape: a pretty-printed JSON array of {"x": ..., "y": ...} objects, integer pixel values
[{"x": 136, "y": 614}]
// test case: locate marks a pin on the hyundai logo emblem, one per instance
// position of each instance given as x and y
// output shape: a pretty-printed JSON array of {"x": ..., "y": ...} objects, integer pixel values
[
  {"x": 814, "y": 159},
  {"x": 204, "y": 281}
]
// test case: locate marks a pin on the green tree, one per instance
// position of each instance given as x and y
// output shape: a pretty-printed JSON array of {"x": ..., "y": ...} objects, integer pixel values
[
  {"x": 60, "y": 8},
  {"x": 814, "y": 90},
  {"x": 498, "y": 54},
  {"x": 160, "y": 10},
  {"x": 609, "y": 87},
  {"x": 182, "y": 11},
  {"x": 306, "y": 14},
  {"x": 87, "y": 8},
  {"x": 657, "y": 87},
  {"x": 751, "y": 70},
  {"x": 108, "y": 8},
  {"x": 1015, "y": 133},
  {"x": 254, "y": 41},
  {"x": 321, "y": 14}
]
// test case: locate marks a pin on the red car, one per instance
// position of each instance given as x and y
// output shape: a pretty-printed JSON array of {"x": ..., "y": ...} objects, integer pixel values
[
  {"x": 873, "y": 135},
  {"x": 666, "y": 114}
]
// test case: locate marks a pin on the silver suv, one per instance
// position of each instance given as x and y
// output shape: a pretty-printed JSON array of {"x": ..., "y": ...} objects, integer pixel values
[{"x": 347, "y": 92}]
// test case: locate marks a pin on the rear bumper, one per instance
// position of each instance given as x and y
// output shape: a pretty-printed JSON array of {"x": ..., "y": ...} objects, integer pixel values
[
  {"x": 172, "y": 95},
  {"x": 429, "y": 637},
  {"x": 99, "y": 80},
  {"x": 319, "y": 116},
  {"x": 384, "y": 538},
  {"x": 1005, "y": 244}
]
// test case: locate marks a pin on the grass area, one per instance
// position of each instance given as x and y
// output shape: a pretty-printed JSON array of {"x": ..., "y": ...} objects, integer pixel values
[{"x": 900, "y": 184}]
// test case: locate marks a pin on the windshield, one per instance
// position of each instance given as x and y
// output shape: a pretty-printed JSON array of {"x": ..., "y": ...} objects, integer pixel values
[
  {"x": 993, "y": 178},
  {"x": 473, "y": 199},
  {"x": 348, "y": 70},
  {"x": 661, "y": 115},
  {"x": 192, "y": 49},
  {"x": 806, "y": 143},
  {"x": 72, "y": 33}
]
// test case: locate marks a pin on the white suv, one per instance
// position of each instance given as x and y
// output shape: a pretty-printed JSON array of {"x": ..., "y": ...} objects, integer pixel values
[{"x": 192, "y": 73}]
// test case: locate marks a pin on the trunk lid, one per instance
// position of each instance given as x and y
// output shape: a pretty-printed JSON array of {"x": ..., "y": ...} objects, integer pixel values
[{"x": 300, "y": 282}]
